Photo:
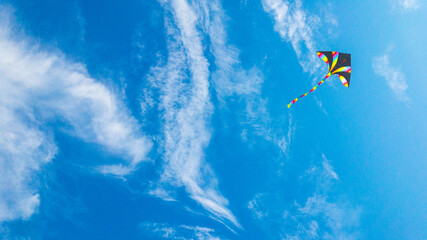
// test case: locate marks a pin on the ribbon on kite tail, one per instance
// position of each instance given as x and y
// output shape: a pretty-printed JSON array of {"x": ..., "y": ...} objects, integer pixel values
[{"x": 314, "y": 88}]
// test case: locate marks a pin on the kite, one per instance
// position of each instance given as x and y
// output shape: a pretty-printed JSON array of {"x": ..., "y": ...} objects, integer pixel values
[{"x": 339, "y": 64}]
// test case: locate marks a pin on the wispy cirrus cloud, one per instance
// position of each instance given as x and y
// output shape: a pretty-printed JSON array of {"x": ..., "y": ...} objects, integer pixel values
[
  {"x": 332, "y": 220},
  {"x": 231, "y": 79},
  {"x": 167, "y": 231},
  {"x": 295, "y": 26},
  {"x": 258, "y": 118},
  {"x": 39, "y": 87},
  {"x": 319, "y": 217},
  {"x": 394, "y": 78},
  {"x": 407, "y": 5},
  {"x": 182, "y": 82},
  {"x": 183, "y": 85},
  {"x": 328, "y": 170}
]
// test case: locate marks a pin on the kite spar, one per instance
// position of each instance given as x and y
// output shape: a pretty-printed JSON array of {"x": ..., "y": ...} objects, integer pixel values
[{"x": 339, "y": 64}]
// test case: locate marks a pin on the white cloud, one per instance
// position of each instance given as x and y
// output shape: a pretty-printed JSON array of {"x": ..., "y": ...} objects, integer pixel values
[
  {"x": 258, "y": 118},
  {"x": 331, "y": 219},
  {"x": 231, "y": 79},
  {"x": 183, "y": 83},
  {"x": 39, "y": 87},
  {"x": 339, "y": 219},
  {"x": 395, "y": 79},
  {"x": 255, "y": 207},
  {"x": 166, "y": 231},
  {"x": 409, "y": 4},
  {"x": 295, "y": 26},
  {"x": 320, "y": 217},
  {"x": 286, "y": 140},
  {"x": 162, "y": 193},
  {"x": 328, "y": 170}
]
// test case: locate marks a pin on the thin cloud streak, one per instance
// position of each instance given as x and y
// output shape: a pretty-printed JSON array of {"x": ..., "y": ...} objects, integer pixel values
[
  {"x": 183, "y": 83},
  {"x": 231, "y": 79},
  {"x": 296, "y": 27},
  {"x": 319, "y": 217},
  {"x": 185, "y": 101},
  {"x": 395, "y": 79},
  {"x": 39, "y": 87},
  {"x": 409, "y": 4},
  {"x": 167, "y": 231}
]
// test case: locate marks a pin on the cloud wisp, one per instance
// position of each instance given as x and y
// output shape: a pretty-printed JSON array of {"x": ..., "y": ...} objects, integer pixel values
[
  {"x": 40, "y": 87},
  {"x": 185, "y": 102},
  {"x": 230, "y": 79},
  {"x": 319, "y": 217},
  {"x": 395, "y": 79},
  {"x": 407, "y": 5},
  {"x": 183, "y": 84},
  {"x": 167, "y": 231},
  {"x": 295, "y": 26}
]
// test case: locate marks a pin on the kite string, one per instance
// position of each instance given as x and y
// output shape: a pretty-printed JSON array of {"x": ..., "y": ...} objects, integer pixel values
[{"x": 314, "y": 88}]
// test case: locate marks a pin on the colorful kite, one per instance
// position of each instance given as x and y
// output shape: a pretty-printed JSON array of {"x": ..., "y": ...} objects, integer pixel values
[{"x": 339, "y": 64}]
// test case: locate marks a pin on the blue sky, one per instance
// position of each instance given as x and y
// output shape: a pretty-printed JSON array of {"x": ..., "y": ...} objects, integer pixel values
[{"x": 168, "y": 120}]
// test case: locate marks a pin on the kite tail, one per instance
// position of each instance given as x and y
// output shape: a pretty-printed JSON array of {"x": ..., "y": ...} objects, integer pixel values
[{"x": 314, "y": 88}]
